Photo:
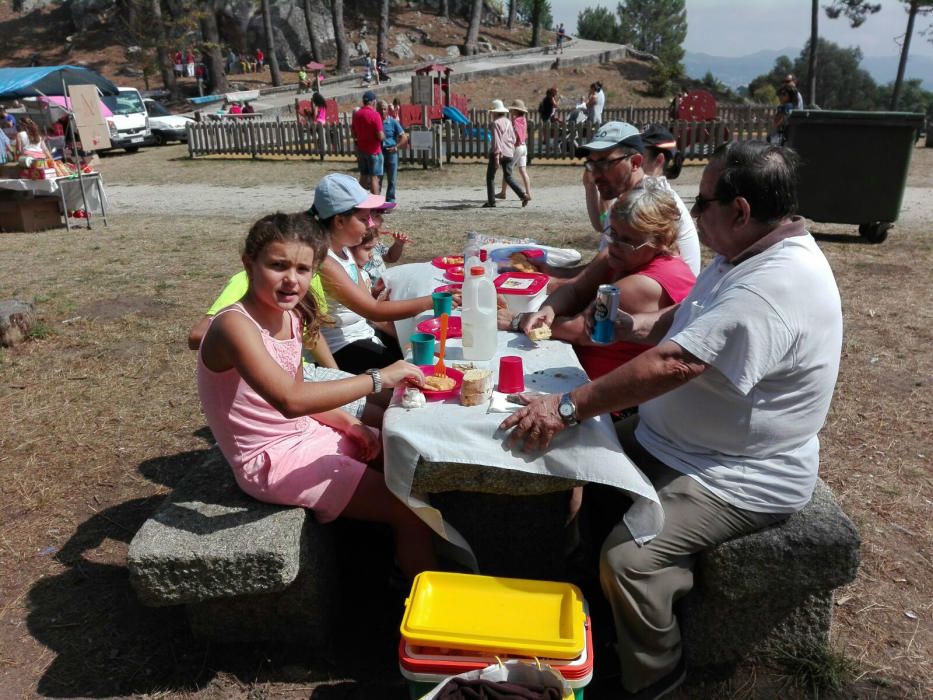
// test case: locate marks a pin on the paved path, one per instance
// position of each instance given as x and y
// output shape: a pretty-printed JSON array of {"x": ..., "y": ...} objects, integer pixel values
[{"x": 579, "y": 51}]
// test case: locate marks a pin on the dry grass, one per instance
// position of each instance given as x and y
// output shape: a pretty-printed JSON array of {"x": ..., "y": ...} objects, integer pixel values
[{"x": 101, "y": 419}]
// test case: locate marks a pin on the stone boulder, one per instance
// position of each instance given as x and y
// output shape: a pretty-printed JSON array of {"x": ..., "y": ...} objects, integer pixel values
[
  {"x": 90, "y": 13},
  {"x": 17, "y": 319},
  {"x": 453, "y": 51},
  {"x": 402, "y": 51}
]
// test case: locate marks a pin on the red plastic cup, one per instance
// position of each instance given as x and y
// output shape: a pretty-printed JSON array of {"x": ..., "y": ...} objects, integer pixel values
[{"x": 511, "y": 375}]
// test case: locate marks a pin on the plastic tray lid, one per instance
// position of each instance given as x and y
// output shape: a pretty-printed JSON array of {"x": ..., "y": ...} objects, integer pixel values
[
  {"x": 495, "y": 614},
  {"x": 522, "y": 283},
  {"x": 427, "y": 660}
]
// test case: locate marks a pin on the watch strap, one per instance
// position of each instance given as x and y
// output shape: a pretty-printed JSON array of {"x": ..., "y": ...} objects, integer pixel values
[{"x": 377, "y": 380}]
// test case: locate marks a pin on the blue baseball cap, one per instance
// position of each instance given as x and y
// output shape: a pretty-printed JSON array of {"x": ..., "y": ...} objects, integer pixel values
[
  {"x": 338, "y": 193},
  {"x": 369, "y": 96}
]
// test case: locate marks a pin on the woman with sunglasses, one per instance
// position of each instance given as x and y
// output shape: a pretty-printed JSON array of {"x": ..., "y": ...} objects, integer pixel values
[
  {"x": 642, "y": 262},
  {"x": 343, "y": 209}
]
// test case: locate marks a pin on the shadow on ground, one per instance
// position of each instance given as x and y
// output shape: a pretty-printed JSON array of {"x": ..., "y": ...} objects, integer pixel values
[{"x": 105, "y": 643}]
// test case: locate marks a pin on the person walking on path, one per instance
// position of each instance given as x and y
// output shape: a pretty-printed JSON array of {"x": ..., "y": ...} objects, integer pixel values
[
  {"x": 189, "y": 63},
  {"x": 260, "y": 60},
  {"x": 502, "y": 153},
  {"x": 517, "y": 111},
  {"x": 561, "y": 35},
  {"x": 395, "y": 138},
  {"x": 368, "y": 134}
]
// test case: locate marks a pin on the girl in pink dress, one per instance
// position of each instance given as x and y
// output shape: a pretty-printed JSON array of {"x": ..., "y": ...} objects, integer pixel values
[{"x": 286, "y": 440}]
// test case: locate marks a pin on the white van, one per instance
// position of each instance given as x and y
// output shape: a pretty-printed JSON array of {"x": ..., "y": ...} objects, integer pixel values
[{"x": 128, "y": 119}]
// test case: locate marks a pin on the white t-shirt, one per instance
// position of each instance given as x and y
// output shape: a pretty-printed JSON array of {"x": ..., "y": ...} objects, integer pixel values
[
  {"x": 598, "y": 107},
  {"x": 771, "y": 330},
  {"x": 688, "y": 243},
  {"x": 350, "y": 326}
]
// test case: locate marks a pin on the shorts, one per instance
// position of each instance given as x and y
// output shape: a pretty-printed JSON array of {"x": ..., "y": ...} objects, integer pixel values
[
  {"x": 520, "y": 159},
  {"x": 370, "y": 164},
  {"x": 314, "y": 373}
]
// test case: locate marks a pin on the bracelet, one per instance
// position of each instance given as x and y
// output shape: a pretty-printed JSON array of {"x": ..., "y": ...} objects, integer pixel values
[{"x": 377, "y": 380}]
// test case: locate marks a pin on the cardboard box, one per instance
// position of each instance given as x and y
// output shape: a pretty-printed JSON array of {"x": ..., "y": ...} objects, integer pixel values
[{"x": 30, "y": 214}]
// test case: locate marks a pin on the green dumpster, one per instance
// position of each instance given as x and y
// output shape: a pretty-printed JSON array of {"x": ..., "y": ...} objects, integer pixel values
[{"x": 853, "y": 165}]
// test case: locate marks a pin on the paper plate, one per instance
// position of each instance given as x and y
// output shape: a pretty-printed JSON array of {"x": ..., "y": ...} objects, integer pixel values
[
  {"x": 454, "y": 288},
  {"x": 445, "y": 262},
  {"x": 433, "y": 326},
  {"x": 456, "y": 375},
  {"x": 454, "y": 274}
]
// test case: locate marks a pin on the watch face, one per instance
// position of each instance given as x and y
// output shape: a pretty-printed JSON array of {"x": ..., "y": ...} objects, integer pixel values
[{"x": 566, "y": 409}]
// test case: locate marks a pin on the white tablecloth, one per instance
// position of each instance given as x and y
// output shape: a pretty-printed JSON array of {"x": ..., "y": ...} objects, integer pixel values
[
  {"x": 445, "y": 431},
  {"x": 70, "y": 186}
]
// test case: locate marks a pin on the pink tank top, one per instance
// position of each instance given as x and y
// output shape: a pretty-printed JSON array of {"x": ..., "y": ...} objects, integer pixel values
[{"x": 243, "y": 423}]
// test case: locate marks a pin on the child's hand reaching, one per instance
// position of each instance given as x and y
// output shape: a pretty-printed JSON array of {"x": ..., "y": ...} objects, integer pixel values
[
  {"x": 403, "y": 373},
  {"x": 367, "y": 439},
  {"x": 401, "y": 237}
]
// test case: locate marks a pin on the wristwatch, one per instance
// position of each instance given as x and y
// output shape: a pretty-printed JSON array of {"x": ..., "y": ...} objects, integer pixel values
[
  {"x": 377, "y": 380},
  {"x": 515, "y": 323},
  {"x": 567, "y": 410}
]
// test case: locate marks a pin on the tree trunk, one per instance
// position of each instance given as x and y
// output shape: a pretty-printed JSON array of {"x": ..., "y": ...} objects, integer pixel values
[
  {"x": 340, "y": 39},
  {"x": 216, "y": 78},
  {"x": 536, "y": 22},
  {"x": 513, "y": 7},
  {"x": 382, "y": 42},
  {"x": 476, "y": 14},
  {"x": 814, "y": 40},
  {"x": 905, "y": 49},
  {"x": 316, "y": 52},
  {"x": 166, "y": 67},
  {"x": 443, "y": 9},
  {"x": 271, "y": 58}
]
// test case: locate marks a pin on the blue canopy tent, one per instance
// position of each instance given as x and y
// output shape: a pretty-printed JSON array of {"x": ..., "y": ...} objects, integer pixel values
[{"x": 49, "y": 80}]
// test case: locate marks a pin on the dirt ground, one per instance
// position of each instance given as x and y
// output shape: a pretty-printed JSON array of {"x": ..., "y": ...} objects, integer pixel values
[{"x": 101, "y": 419}]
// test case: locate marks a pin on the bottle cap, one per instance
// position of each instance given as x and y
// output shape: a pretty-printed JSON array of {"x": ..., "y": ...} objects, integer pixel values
[
  {"x": 477, "y": 270},
  {"x": 483, "y": 254}
]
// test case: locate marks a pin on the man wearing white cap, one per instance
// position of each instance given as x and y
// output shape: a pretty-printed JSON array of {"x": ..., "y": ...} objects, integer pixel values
[{"x": 502, "y": 153}]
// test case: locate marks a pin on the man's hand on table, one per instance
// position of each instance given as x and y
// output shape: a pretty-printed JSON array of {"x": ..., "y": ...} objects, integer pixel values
[
  {"x": 536, "y": 424},
  {"x": 542, "y": 317}
]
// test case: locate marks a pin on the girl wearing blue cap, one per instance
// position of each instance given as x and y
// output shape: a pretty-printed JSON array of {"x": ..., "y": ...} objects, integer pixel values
[{"x": 343, "y": 209}]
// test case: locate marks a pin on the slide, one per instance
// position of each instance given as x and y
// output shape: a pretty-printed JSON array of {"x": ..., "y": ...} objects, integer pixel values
[{"x": 455, "y": 115}]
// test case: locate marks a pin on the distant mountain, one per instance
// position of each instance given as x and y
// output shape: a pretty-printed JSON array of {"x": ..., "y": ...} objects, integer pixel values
[{"x": 740, "y": 70}]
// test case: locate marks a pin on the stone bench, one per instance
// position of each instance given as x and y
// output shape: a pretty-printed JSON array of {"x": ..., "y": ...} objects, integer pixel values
[
  {"x": 244, "y": 570},
  {"x": 772, "y": 588}
]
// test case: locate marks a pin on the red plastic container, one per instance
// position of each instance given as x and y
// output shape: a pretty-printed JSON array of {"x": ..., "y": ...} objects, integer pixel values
[{"x": 523, "y": 291}]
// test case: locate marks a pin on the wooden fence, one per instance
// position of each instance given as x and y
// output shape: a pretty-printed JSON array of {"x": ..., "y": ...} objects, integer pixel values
[{"x": 550, "y": 141}]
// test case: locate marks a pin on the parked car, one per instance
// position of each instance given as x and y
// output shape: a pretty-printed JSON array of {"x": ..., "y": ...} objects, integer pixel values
[
  {"x": 166, "y": 126},
  {"x": 128, "y": 121}
]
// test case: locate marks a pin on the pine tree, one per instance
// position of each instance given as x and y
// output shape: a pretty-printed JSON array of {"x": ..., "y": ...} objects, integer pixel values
[{"x": 656, "y": 26}]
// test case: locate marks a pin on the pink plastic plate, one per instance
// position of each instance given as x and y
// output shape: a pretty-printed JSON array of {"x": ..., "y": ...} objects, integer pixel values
[
  {"x": 433, "y": 326},
  {"x": 439, "y": 261},
  {"x": 454, "y": 274},
  {"x": 456, "y": 375}
]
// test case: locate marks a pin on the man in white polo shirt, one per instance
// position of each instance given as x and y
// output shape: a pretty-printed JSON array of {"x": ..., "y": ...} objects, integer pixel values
[{"x": 731, "y": 399}]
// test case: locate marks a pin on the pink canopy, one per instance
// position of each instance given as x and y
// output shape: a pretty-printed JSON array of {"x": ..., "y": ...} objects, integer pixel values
[{"x": 66, "y": 102}]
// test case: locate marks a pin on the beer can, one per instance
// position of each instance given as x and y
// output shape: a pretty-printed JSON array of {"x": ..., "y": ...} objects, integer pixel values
[{"x": 607, "y": 308}]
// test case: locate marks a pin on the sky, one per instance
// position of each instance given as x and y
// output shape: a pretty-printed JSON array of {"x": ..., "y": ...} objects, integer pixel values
[{"x": 740, "y": 27}]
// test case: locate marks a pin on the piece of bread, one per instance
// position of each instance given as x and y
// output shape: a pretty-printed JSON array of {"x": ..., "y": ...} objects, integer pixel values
[
  {"x": 520, "y": 262},
  {"x": 476, "y": 388},
  {"x": 540, "y": 333},
  {"x": 444, "y": 383}
]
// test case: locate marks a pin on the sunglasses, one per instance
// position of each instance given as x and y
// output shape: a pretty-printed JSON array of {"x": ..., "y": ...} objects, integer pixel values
[
  {"x": 604, "y": 165},
  {"x": 702, "y": 203}
]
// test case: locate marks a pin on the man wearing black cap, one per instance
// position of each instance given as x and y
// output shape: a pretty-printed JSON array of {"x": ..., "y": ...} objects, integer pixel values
[{"x": 368, "y": 132}]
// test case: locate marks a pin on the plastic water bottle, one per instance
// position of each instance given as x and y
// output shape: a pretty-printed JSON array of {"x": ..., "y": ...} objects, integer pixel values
[
  {"x": 479, "y": 316},
  {"x": 492, "y": 267},
  {"x": 471, "y": 250}
]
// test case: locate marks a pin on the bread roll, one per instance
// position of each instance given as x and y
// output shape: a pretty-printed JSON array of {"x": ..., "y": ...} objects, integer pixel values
[
  {"x": 520, "y": 262},
  {"x": 476, "y": 388},
  {"x": 540, "y": 333}
]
